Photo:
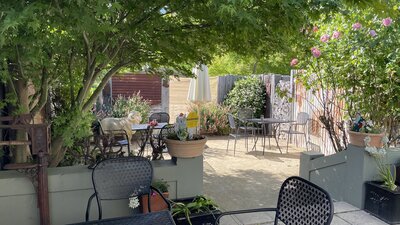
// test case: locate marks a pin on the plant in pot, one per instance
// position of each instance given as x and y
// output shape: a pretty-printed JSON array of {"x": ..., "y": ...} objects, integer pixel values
[
  {"x": 383, "y": 197},
  {"x": 197, "y": 211},
  {"x": 360, "y": 129},
  {"x": 184, "y": 143},
  {"x": 156, "y": 201}
]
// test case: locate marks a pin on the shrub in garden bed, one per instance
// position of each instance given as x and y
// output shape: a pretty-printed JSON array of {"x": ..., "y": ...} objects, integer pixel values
[
  {"x": 124, "y": 105},
  {"x": 195, "y": 211},
  {"x": 248, "y": 93},
  {"x": 213, "y": 118}
]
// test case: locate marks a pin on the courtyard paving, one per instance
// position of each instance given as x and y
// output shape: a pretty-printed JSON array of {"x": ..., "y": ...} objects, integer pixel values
[{"x": 252, "y": 180}]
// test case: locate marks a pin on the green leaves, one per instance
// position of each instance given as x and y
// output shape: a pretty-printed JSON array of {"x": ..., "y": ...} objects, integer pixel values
[{"x": 248, "y": 93}]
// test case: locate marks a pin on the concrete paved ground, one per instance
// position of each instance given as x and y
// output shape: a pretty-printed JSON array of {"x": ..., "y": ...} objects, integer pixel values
[{"x": 252, "y": 180}]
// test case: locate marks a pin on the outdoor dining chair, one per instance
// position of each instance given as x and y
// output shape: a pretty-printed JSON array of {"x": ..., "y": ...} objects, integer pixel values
[
  {"x": 122, "y": 178},
  {"x": 298, "y": 127},
  {"x": 249, "y": 127},
  {"x": 106, "y": 140},
  {"x": 300, "y": 202},
  {"x": 161, "y": 117},
  {"x": 237, "y": 131}
]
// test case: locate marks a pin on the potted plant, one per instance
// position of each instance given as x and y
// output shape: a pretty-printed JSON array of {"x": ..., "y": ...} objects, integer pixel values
[
  {"x": 156, "y": 201},
  {"x": 360, "y": 129},
  {"x": 195, "y": 211},
  {"x": 183, "y": 143},
  {"x": 383, "y": 197}
]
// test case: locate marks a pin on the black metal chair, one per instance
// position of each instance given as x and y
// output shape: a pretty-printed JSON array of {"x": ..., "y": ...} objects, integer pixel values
[
  {"x": 248, "y": 127},
  {"x": 300, "y": 202},
  {"x": 161, "y": 117},
  {"x": 301, "y": 121},
  {"x": 105, "y": 140},
  {"x": 120, "y": 178},
  {"x": 237, "y": 131},
  {"x": 158, "y": 141}
]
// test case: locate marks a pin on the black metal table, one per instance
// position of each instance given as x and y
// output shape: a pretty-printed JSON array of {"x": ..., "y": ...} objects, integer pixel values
[{"x": 154, "y": 218}]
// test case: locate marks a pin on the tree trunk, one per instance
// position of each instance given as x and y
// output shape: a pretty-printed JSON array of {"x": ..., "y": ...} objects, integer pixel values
[
  {"x": 57, "y": 151},
  {"x": 22, "y": 153}
]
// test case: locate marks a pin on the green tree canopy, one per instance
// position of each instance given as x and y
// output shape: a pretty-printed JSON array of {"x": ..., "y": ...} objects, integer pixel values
[{"x": 63, "y": 48}]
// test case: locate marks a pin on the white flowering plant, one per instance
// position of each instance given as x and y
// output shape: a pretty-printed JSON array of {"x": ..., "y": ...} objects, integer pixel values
[
  {"x": 385, "y": 170},
  {"x": 133, "y": 202}
]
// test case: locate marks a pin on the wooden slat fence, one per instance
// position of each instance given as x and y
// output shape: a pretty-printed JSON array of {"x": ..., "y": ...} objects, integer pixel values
[{"x": 306, "y": 101}]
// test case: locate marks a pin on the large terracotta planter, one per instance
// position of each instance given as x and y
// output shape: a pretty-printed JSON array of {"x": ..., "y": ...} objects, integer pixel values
[
  {"x": 357, "y": 138},
  {"x": 185, "y": 149},
  {"x": 157, "y": 203}
]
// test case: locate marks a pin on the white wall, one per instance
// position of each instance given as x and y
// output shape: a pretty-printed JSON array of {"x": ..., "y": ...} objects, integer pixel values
[{"x": 70, "y": 188}]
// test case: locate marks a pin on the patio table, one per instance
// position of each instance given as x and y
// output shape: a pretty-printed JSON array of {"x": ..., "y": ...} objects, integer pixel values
[
  {"x": 154, "y": 218},
  {"x": 145, "y": 134},
  {"x": 265, "y": 121}
]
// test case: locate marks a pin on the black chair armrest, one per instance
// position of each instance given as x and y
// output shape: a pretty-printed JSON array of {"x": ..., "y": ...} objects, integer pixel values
[
  {"x": 88, "y": 206},
  {"x": 245, "y": 211},
  {"x": 162, "y": 196}
]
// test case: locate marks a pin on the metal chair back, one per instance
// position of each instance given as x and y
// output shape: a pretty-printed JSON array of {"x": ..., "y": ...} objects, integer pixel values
[
  {"x": 161, "y": 117},
  {"x": 120, "y": 178},
  {"x": 301, "y": 202},
  {"x": 245, "y": 114},
  {"x": 302, "y": 118},
  {"x": 159, "y": 144},
  {"x": 232, "y": 122}
]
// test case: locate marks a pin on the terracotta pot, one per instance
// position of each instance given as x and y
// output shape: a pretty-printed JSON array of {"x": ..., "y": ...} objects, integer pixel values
[
  {"x": 156, "y": 203},
  {"x": 357, "y": 138},
  {"x": 186, "y": 149}
]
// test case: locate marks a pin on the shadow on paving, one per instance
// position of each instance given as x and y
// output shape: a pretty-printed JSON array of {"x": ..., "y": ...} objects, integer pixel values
[{"x": 244, "y": 189}]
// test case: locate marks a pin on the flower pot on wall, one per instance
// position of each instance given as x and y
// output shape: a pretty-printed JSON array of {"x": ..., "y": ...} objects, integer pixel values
[
  {"x": 357, "y": 139},
  {"x": 186, "y": 149},
  {"x": 157, "y": 203}
]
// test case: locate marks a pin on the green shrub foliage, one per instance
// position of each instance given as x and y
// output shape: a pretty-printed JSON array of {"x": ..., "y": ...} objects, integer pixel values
[
  {"x": 248, "y": 93},
  {"x": 213, "y": 119},
  {"x": 122, "y": 106}
]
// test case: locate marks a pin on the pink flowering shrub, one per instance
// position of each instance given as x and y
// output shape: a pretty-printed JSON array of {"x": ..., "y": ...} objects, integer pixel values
[
  {"x": 356, "y": 61},
  {"x": 213, "y": 118}
]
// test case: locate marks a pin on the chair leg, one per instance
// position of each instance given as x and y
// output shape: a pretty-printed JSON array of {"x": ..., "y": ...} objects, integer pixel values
[
  {"x": 227, "y": 146},
  {"x": 234, "y": 146},
  {"x": 305, "y": 139},
  {"x": 287, "y": 145},
  {"x": 246, "y": 139}
]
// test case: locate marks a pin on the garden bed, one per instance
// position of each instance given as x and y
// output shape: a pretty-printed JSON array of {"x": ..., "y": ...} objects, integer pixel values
[
  {"x": 203, "y": 218},
  {"x": 382, "y": 202}
]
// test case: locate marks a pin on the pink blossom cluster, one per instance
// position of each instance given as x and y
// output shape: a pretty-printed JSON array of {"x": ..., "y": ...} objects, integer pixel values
[
  {"x": 294, "y": 62},
  {"x": 315, "y": 52},
  {"x": 372, "y": 33},
  {"x": 325, "y": 38},
  {"x": 357, "y": 26},
  {"x": 387, "y": 21},
  {"x": 336, "y": 34}
]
